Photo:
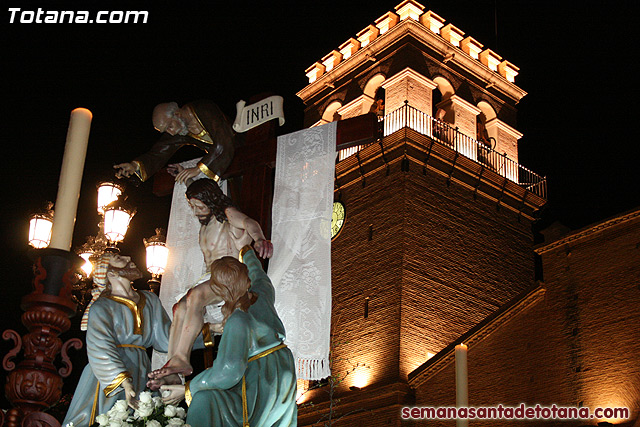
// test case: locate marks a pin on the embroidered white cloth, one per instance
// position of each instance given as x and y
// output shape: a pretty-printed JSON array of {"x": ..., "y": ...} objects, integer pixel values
[
  {"x": 301, "y": 235},
  {"x": 185, "y": 267}
]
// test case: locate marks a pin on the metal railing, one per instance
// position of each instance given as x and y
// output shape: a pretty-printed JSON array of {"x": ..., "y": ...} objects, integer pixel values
[{"x": 441, "y": 132}]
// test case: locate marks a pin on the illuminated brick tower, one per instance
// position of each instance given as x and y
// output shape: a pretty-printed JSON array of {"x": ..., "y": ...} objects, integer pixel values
[{"x": 437, "y": 234}]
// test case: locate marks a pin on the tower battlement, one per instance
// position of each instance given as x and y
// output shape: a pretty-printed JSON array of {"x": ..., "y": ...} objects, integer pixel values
[{"x": 468, "y": 51}]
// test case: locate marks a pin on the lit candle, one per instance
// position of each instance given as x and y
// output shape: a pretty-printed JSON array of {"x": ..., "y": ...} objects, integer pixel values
[
  {"x": 462, "y": 390},
  {"x": 66, "y": 205}
]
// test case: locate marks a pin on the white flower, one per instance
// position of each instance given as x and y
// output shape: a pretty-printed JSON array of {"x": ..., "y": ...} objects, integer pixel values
[
  {"x": 153, "y": 423},
  {"x": 120, "y": 406},
  {"x": 145, "y": 397},
  {"x": 175, "y": 422},
  {"x": 145, "y": 409},
  {"x": 115, "y": 423},
  {"x": 102, "y": 419},
  {"x": 69, "y": 424},
  {"x": 170, "y": 411},
  {"x": 180, "y": 412},
  {"x": 157, "y": 401}
]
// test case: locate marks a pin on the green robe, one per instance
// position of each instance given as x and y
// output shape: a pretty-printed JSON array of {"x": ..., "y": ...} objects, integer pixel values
[
  {"x": 271, "y": 380},
  {"x": 115, "y": 335}
]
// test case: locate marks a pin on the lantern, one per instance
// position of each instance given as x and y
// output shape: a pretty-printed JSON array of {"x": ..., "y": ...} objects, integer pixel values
[
  {"x": 117, "y": 216},
  {"x": 157, "y": 256},
  {"x": 40, "y": 226},
  {"x": 108, "y": 192}
]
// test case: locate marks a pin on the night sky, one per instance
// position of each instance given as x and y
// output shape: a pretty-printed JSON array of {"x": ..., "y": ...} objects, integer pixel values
[{"x": 576, "y": 62}]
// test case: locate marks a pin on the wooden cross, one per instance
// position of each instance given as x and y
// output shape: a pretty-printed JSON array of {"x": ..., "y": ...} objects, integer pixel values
[{"x": 251, "y": 173}]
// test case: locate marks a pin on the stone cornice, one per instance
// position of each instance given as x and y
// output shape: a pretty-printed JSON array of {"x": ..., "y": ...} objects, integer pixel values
[
  {"x": 477, "y": 334},
  {"x": 454, "y": 54},
  {"x": 589, "y": 231}
]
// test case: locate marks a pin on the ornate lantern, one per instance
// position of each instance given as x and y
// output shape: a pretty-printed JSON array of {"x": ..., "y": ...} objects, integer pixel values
[
  {"x": 157, "y": 256},
  {"x": 40, "y": 226},
  {"x": 117, "y": 216},
  {"x": 87, "y": 267},
  {"x": 108, "y": 192}
]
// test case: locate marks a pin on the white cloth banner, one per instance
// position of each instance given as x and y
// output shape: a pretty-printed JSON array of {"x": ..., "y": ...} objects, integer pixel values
[
  {"x": 301, "y": 235},
  {"x": 250, "y": 116},
  {"x": 185, "y": 267}
]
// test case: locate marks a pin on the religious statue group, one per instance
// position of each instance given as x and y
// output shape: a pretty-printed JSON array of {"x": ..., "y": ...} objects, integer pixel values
[{"x": 252, "y": 381}]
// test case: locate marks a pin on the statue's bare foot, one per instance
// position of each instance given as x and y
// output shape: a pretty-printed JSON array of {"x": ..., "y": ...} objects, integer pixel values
[
  {"x": 155, "y": 384},
  {"x": 173, "y": 366}
]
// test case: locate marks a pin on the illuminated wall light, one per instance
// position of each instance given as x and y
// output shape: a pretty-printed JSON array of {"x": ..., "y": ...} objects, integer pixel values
[{"x": 362, "y": 376}]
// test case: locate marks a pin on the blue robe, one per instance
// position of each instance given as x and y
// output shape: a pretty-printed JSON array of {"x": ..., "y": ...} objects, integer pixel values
[
  {"x": 117, "y": 336},
  {"x": 271, "y": 380}
]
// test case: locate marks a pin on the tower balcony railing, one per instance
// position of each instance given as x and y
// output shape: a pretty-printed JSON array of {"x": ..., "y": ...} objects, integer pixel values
[{"x": 442, "y": 133}]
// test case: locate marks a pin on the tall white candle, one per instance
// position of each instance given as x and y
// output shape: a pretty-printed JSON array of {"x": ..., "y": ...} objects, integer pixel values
[
  {"x": 75, "y": 151},
  {"x": 462, "y": 388}
]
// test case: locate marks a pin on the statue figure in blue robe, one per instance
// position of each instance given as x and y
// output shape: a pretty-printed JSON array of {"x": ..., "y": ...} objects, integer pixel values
[
  {"x": 252, "y": 381},
  {"x": 122, "y": 324}
]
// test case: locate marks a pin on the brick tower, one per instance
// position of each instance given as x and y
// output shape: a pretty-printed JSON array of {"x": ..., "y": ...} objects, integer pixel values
[{"x": 437, "y": 234}]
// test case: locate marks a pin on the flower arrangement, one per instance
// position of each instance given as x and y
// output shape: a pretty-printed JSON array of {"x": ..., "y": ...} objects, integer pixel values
[{"x": 151, "y": 412}]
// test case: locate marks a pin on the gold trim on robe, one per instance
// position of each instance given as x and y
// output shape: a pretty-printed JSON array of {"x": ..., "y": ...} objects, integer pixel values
[
  {"x": 208, "y": 172},
  {"x": 140, "y": 171},
  {"x": 243, "y": 251},
  {"x": 119, "y": 379},
  {"x": 136, "y": 310},
  {"x": 95, "y": 404},
  {"x": 187, "y": 393},
  {"x": 206, "y": 336},
  {"x": 203, "y": 136},
  {"x": 139, "y": 347}
]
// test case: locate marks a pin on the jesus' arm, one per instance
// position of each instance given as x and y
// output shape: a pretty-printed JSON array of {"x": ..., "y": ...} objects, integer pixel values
[{"x": 239, "y": 220}]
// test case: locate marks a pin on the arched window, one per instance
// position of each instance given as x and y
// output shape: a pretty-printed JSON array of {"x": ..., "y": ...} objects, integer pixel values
[{"x": 331, "y": 112}]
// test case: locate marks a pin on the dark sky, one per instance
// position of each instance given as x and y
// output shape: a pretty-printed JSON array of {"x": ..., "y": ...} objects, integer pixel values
[{"x": 576, "y": 62}]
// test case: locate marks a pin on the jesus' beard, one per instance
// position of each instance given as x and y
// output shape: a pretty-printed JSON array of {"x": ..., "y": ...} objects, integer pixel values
[{"x": 204, "y": 219}]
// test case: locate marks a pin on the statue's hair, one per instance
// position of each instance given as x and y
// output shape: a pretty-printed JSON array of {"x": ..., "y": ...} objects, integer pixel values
[
  {"x": 230, "y": 278},
  {"x": 167, "y": 109},
  {"x": 209, "y": 193}
]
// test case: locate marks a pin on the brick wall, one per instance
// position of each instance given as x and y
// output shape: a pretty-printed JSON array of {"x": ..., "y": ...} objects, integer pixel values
[
  {"x": 463, "y": 260},
  {"x": 435, "y": 263},
  {"x": 577, "y": 346}
]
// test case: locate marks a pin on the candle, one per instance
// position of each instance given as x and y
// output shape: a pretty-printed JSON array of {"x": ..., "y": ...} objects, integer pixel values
[
  {"x": 462, "y": 390},
  {"x": 75, "y": 151}
]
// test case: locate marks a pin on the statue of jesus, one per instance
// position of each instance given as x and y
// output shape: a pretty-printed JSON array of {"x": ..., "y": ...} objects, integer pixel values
[{"x": 223, "y": 229}]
